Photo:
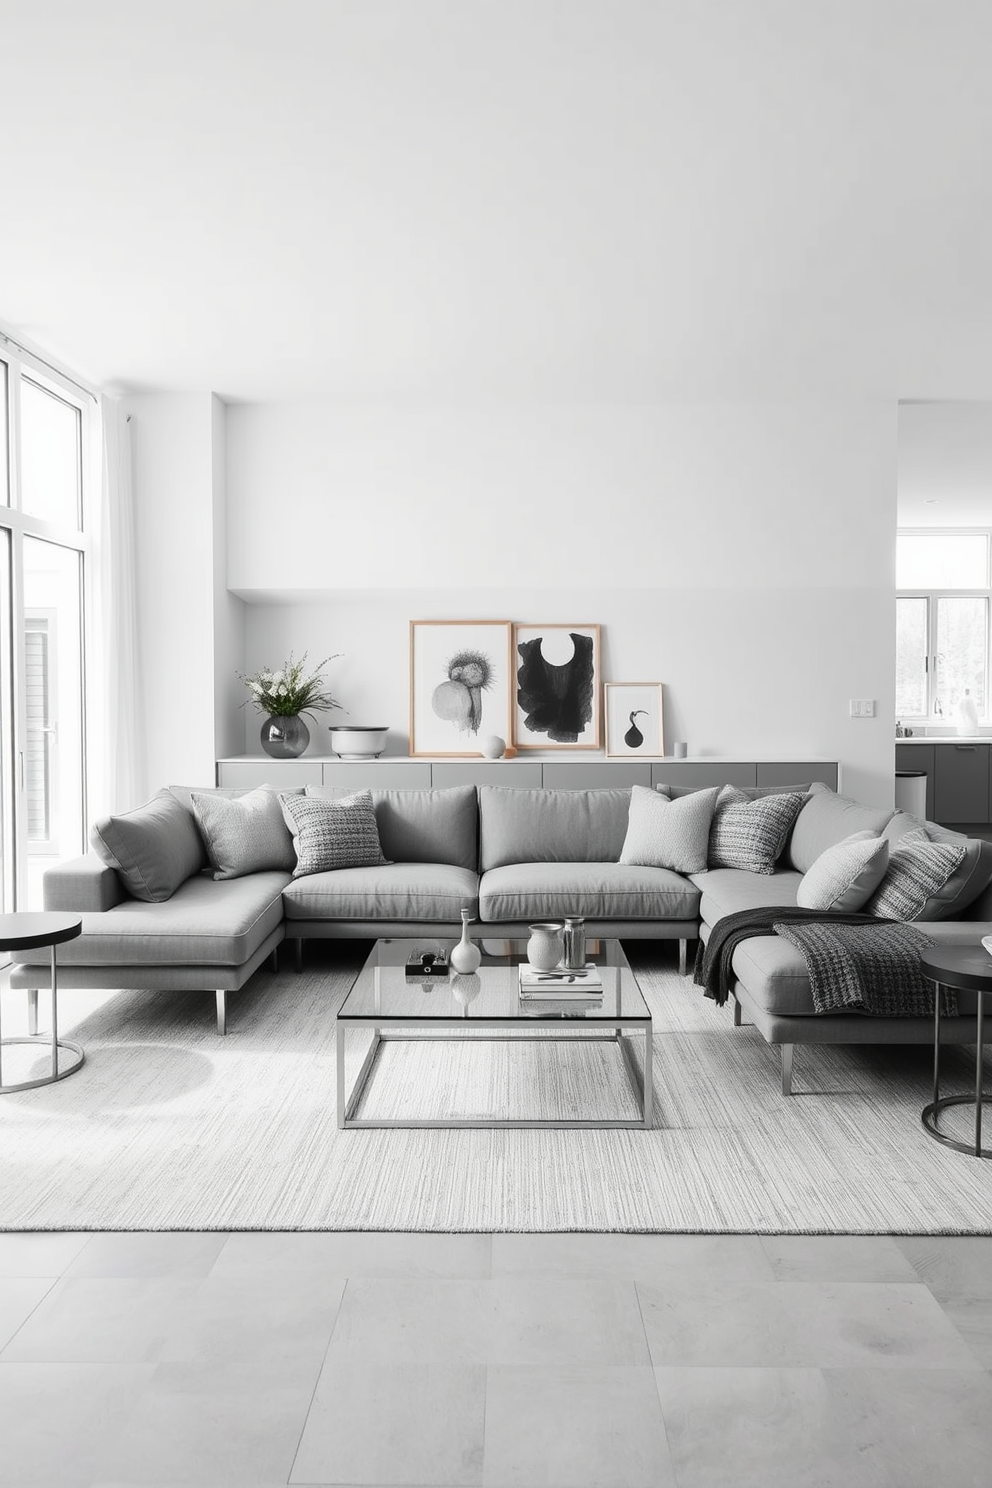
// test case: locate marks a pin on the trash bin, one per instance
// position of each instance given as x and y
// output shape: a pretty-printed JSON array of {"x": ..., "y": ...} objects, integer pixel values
[{"x": 911, "y": 791}]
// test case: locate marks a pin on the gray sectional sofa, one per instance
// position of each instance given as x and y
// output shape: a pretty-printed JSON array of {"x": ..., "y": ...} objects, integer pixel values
[{"x": 510, "y": 856}]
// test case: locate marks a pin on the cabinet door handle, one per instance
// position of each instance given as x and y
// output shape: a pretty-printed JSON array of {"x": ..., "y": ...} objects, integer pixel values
[{"x": 966, "y": 748}]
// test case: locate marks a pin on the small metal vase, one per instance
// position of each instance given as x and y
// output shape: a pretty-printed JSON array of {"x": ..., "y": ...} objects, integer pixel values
[{"x": 284, "y": 738}]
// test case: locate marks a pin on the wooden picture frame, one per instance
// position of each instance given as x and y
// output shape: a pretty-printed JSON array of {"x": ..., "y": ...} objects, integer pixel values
[
  {"x": 460, "y": 685},
  {"x": 623, "y": 705},
  {"x": 557, "y": 689}
]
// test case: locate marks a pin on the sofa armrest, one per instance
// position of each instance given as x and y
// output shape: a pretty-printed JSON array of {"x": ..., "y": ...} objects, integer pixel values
[{"x": 82, "y": 884}]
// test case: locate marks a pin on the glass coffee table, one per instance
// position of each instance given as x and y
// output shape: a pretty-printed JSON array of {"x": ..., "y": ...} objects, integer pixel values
[{"x": 487, "y": 1005}]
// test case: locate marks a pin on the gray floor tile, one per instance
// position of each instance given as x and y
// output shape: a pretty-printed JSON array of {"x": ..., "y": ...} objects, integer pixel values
[
  {"x": 42, "y": 1253},
  {"x": 362, "y": 1254},
  {"x": 836, "y": 1258},
  {"x": 286, "y": 1321},
  {"x": 20, "y": 1296},
  {"x": 229, "y": 1425},
  {"x": 972, "y": 1316},
  {"x": 161, "y": 1254},
  {"x": 394, "y": 1424},
  {"x": 951, "y": 1265},
  {"x": 801, "y": 1325},
  {"x": 410, "y": 1322},
  {"x": 539, "y": 1321},
  {"x": 102, "y": 1320},
  {"x": 660, "y": 1259},
  {"x": 918, "y": 1429},
  {"x": 575, "y": 1427},
  {"x": 57, "y": 1421}
]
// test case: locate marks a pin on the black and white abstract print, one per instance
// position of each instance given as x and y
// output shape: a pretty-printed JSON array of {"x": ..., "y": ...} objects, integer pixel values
[{"x": 557, "y": 679}]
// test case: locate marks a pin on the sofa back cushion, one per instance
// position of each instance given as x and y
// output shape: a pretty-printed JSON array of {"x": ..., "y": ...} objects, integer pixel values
[
  {"x": 551, "y": 826},
  {"x": 154, "y": 848},
  {"x": 424, "y": 826},
  {"x": 827, "y": 819}
]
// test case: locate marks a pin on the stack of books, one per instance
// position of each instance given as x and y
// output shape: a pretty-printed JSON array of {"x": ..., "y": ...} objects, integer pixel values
[{"x": 560, "y": 992}]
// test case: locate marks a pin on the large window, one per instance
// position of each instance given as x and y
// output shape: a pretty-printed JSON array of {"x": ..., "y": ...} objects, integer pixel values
[
  {"x": 943, "y": 608},
  {"x": 45, "y": 427}
]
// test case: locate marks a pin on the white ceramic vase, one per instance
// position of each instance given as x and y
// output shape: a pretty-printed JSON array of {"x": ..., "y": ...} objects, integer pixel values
[
  {"x": 466, "y": 956},
  {"x": 545, "y": 947}
]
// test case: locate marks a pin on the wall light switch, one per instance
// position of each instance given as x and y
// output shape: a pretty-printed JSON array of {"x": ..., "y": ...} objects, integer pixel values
[
  {"x": 862, "y": 708},
  {"x": 855, "y": 707}
]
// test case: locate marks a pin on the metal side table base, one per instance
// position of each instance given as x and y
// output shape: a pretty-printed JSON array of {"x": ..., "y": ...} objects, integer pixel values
[
  {"x": 50, "y": 930},
  {"x": 961, "y": 969},
  {"x": 61, "y": 1070}
]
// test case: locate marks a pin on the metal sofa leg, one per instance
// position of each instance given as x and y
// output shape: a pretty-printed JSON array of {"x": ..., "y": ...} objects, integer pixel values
[
  {"x": 683, "y": 956},
  {"x": 221, "y": 1010},
  {"x": 32, "y": 1011},
  {"x": 787, "y": 1067},
  {"x": 738, "y": 1015},
  {"x": 298, "y": 955}
]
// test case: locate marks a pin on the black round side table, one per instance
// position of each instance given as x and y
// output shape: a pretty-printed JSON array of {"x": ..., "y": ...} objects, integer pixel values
[
  {"x": 25, "y": 932},
  {"x": 965, "y": 969}
]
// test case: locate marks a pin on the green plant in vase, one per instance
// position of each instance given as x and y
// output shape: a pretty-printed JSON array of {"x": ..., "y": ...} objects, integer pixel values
[{"x": 284, "y": 695}]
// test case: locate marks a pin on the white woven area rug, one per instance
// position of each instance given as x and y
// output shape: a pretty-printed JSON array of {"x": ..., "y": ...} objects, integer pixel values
[{"x": 169, "y": 1127}]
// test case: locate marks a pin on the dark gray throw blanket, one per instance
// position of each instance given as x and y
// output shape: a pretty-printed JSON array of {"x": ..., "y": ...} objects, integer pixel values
[{"x": 856, "y": 962}]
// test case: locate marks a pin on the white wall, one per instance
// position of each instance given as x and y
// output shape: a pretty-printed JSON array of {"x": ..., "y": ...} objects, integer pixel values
[
  {"x": 741, "y": 554},
  {"x": 945, "y": 464},
  {"x": 229, "y": 611}
]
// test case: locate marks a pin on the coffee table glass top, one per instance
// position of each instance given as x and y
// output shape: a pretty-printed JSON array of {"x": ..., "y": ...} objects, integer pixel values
[{"x": 383, "y": 991}]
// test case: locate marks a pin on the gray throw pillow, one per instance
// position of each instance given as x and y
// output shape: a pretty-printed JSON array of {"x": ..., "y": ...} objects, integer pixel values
[
  {"x": 751, "y": 834},
  {"x": 668, "y": 834},
  {"x": 154, "y": 848},
  {"x": 246, "y": 834},
  {"x": 845, "y": 876},
  {"x": 333, "y": 834},
  {"x": 918, "y": 880}
]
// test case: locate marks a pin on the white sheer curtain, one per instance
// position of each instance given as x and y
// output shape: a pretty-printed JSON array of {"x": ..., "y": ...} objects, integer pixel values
[{"x": 116, "y": 784}]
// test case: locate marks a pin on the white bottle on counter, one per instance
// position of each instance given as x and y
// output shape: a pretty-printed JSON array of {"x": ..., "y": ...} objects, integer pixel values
[{"x": 967, "y": 714}]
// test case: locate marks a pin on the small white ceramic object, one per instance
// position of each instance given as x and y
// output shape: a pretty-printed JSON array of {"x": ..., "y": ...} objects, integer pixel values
[
  {"x": 465, "y": 989},
  {"x": 357, "y": 740},
  {"x": 987, "y": 943},
  {"x": 493, "y": 747},
  {"x": 466, "y": 956},
  {"x": 545, "y": 947}
]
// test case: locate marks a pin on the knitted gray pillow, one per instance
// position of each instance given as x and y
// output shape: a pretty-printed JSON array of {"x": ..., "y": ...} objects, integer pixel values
[
  {"x": 751, "y": 834},
  {"x": 918, "y": 870},
  {"x": 328, "y": 834},
  {"x": 244, "y": 834},
  {"x": 668, "y": 834}
]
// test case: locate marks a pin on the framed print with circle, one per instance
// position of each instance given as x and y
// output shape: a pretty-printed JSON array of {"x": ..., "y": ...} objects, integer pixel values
[
  {"x": 558, "y": 689},
  {"x": 634, "y": 719},
  {"x": 460, "y": 685}
]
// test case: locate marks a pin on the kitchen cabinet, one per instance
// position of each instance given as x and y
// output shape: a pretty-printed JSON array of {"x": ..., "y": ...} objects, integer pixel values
[{"x": 961, "y": 783}]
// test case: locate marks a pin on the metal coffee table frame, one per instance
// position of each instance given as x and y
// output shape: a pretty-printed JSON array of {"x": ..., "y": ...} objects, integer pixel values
[{"x": 454, "y": 1030}]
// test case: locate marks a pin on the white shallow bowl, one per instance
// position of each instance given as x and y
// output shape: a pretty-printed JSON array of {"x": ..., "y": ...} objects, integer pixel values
[
  {"x": 357, "y": 740},
  {"x": 987, "y": 943}
]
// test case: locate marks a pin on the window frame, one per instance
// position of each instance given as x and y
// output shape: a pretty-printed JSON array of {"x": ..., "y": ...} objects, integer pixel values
[{"x": 932, "y": 598}]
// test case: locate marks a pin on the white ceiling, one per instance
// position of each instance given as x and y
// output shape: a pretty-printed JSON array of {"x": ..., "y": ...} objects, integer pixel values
[{"x": 470, "y": 199}]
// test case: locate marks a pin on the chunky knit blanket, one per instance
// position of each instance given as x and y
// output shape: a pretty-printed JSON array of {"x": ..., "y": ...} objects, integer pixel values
[{"x": 856, "y": 962}]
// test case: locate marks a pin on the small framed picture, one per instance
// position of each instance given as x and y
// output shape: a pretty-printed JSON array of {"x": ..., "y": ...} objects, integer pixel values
[
  {"x": 634, "y": 719},
  {"x": 557, "y": 687},
  {"x": 460, "y": 685}
]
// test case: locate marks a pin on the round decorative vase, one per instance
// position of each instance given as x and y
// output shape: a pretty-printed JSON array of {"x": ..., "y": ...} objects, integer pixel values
[
  {"x": 465, "y": 989},
  {"x": 545, "y": 947},
  {"x": 493, "y": 747},
  {"x": 466, "y": 956},
  {"x": 284, "y": 738}
]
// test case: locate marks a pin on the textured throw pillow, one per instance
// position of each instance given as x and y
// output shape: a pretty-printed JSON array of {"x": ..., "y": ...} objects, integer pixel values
[
  {"x": 845, "y": 876},
  {"x": 244, "y": 834},
  {"x": 333, "y": 834},
  {"x": 751, "y": 834},
  {"x": 918, "y": 874},
  {"x": 154, "y": 848},
  {"x": 668, "y": 834}
]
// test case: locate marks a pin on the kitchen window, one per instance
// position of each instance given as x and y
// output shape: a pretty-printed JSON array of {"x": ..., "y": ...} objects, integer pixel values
[{"x": 943, "y": 617}]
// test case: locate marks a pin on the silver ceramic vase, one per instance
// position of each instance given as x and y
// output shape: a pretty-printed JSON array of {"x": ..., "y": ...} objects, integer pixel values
[{"x": 284, "y": 738}]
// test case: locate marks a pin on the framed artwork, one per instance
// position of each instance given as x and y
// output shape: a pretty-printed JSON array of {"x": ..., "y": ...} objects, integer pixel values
[
  {"x": 634, "y": 719},
  {"x": 556, "y": 675},
  {"x": 460, "y": 684}
]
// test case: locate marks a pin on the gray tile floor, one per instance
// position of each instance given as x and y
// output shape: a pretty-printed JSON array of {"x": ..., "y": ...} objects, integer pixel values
[{"x": 674, "y": 1360}]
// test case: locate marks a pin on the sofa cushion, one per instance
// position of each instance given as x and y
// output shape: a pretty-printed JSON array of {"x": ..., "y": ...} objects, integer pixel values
[
  {"x": 398, "y": 891},
  {"x": 751, "y": 833},
  {"x": 550, "y": 826},
  {"x": 662, "y": 833},
  {"x": 424, "y": 826},
  {"x": 922, "y": 879},
  {"x": 774, "y": 973},
  {"x": 204, "y": 923},
  {"x": 726, "y": 890},
  {"x": 154, "y": 848},
  {"x": 845, "y": 876},
  {"x": 329, "y": 834},
  {"x": 246, "y": 834},
  {"x": 827, "y": 819},
  {"x": 600, "y": 891},
  {"x": 972, "y": 878}
]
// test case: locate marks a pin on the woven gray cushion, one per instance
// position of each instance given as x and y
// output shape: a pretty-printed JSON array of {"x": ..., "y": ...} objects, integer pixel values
[
  {"x": 245, "y": 835},
  {"x": 154, "y": 848},
  {"x": 751, "y": 834},
  {"x": 333, "y": 834},
  {"x": 669, "y": 834},
  {"x": 915, "y": 886},
  {"x": 845, "y": 876}
]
